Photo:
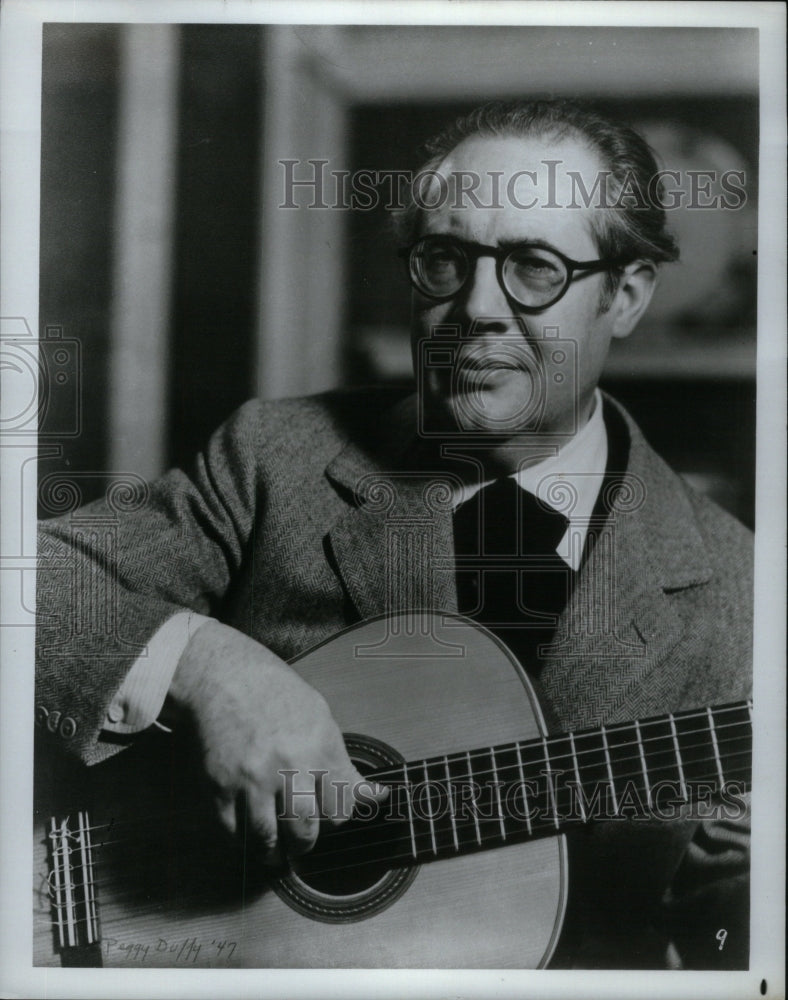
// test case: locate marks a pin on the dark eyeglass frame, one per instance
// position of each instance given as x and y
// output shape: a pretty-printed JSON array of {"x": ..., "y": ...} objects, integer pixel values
[{"x": 473, "y": 251}]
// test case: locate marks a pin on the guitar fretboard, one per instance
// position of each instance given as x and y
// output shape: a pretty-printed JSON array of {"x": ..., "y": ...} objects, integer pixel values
[{"x": 489, "y": 796}]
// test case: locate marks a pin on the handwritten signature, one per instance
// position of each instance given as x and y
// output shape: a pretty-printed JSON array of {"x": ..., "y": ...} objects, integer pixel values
[{"x": 184, "y": 951}]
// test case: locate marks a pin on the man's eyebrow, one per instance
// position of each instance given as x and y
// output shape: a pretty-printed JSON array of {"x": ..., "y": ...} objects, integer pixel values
[
  {"x": 513, "y": 243},
  {"x": 504, "y": 244}
]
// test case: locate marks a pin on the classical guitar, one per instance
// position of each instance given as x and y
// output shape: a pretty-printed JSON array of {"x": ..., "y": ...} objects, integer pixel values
[{"x": 132, "y": 870}]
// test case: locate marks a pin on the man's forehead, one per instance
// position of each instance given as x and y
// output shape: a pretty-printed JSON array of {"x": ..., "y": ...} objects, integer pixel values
[
  {"x": 509, "y": 187},
  {"x": 510, "y": 153}
]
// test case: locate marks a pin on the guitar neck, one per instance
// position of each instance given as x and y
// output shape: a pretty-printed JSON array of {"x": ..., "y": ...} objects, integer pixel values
[{"x": 485, "y": 797}]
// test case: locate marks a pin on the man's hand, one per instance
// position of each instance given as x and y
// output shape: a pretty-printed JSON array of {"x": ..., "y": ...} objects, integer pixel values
[{"x": 256, "y": 719}]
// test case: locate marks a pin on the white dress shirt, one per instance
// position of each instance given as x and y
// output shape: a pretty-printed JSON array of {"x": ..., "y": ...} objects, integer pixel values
[{"x": 569, "y": 481}]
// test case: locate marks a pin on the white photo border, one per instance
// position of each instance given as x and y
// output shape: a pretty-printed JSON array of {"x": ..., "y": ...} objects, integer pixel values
[{"x": 20, "y": 87}]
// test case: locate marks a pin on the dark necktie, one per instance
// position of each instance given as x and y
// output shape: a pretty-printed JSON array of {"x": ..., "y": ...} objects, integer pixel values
[{"x": 509, "y": 577}]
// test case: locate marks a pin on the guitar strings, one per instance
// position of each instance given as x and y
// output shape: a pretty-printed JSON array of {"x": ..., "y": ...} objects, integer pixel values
[
  {"x": 558, "y": 790},
  {"x": 443, "y": 797},
  {"x": 504, "y": 774},
  {"x": 551, "y": 799},
  {"x": 439, "y": 804},
  {"x": 340, "y": 849},
  {"x": 540, "y": 743},
  {"x": 404, "y": 857}
]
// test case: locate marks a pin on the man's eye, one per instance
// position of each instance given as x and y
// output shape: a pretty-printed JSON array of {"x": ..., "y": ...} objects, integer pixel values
[
  {"x": 442, "y": 252},
  {"x": 441, "y": 258},
  {"x": 535, "y": 264}
]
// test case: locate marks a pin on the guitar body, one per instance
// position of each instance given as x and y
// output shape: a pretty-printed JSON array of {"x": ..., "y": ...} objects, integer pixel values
[{"x": 169, "y": 891}]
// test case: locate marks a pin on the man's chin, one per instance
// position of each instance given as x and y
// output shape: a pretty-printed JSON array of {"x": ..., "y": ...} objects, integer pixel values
[{"x": 476, "y": 416}]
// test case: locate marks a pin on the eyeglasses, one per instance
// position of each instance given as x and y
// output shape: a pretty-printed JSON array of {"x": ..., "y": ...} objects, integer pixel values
[{"x": 534, "y": 276}]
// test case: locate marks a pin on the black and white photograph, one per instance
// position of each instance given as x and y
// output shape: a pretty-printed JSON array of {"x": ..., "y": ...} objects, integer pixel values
[{"x": 393, "y": 512}]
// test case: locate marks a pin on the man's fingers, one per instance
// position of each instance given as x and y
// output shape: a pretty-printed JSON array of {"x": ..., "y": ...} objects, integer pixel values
[
  {"x": 355, "y": 795},
  {"x": 299, "y": 833},
  {"x": 298, "y": 812},
  {"x": 335, "y": 796},
  {"x": 261, "y": 819},
  {"x": 368, "y": 798}
]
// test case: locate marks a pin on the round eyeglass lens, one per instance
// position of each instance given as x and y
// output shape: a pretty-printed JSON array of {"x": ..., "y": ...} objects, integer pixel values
[
  {"x": 534, "y": 276},
  {"x": 439, "y": 267}
]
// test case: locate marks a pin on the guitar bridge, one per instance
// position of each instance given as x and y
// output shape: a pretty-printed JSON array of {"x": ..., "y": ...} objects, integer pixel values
[{"x": 72, "y": 892}]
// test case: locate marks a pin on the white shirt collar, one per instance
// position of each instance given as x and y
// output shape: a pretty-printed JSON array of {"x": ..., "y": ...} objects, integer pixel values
[{"x": 568, "y": 481}]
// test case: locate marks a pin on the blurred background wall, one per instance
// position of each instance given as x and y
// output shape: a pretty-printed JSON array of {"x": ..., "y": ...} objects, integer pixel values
[{"x": 166, "y": 257}]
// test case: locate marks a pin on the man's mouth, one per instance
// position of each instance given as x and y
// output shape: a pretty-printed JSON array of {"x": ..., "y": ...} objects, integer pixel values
[{"x": 489, "y": 362}]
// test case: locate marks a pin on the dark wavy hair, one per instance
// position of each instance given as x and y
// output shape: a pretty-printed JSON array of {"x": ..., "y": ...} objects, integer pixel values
[{"x": 635, "y": 229}]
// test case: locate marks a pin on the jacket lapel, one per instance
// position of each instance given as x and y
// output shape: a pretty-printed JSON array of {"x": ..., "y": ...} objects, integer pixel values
[
  {"x": 622, "y": 622},
  {"x": 393, "y": 545}
]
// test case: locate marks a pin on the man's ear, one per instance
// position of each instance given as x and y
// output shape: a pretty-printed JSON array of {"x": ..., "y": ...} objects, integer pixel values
[{"x": 634, "y": 293}]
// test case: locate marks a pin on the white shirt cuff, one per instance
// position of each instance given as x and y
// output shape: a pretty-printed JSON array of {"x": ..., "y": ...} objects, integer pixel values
[{"x": 140, "y": 698}]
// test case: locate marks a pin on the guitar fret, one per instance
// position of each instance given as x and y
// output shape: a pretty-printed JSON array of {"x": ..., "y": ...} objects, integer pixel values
[
  {"x": 462, "y": 819},
  {"x": 406, "y": 787},
  {"x": 679, "y": 763},
  {"x": 489, "y": 815},
  {"x": 447, "y": 831},
  {"x": 646, "y": 782},
  {"x": 497, "y": 792},
  {"x": 632, "y": 792},
  {"x": 451, "y": 804},
  {"x": 550, "y": 789},
  {"x": 594, "y": 775},
  {"x": 431, "y": 815},
  {"x": 609, "y": 771},
  {"x": 526, "y": 806},
  {"x": 660, "y": 751},
  {"x": 583, "y": 813},
  {"x": 697, "y": 749},
  {"x": 713, "y": 732},
  {"x": 734, "y": 732},
  {"x": 475, "y": 816}
]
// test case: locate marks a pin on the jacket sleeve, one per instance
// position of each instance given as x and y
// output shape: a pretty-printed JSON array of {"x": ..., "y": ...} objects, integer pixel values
[{"x": 112, "y": 572}]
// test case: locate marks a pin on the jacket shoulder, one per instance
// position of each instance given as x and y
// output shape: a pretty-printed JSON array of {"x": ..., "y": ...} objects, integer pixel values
[
  {"x": 330, "y": 417},
  {"x": 287, "y": 444},
  {"x": 726, "y": 538}
]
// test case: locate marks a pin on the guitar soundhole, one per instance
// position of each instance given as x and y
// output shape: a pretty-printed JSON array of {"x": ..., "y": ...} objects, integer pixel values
[
  {"x": 345, "y": 888},
  {"x": 345, "y": 882}
]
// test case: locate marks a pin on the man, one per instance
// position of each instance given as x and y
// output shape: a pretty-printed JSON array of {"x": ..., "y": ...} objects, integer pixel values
[{"x": 521, "y": 278}]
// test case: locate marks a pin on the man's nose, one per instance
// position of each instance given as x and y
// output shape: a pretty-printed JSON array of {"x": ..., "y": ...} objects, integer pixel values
[{"x": 482, "y": 302}]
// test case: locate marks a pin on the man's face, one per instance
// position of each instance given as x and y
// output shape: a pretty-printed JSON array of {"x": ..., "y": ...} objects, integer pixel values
[{"x": 525, "y": 377}]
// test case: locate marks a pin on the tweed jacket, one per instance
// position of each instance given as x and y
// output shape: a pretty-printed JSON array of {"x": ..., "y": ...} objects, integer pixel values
[{"x": 282, "y": 529}]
